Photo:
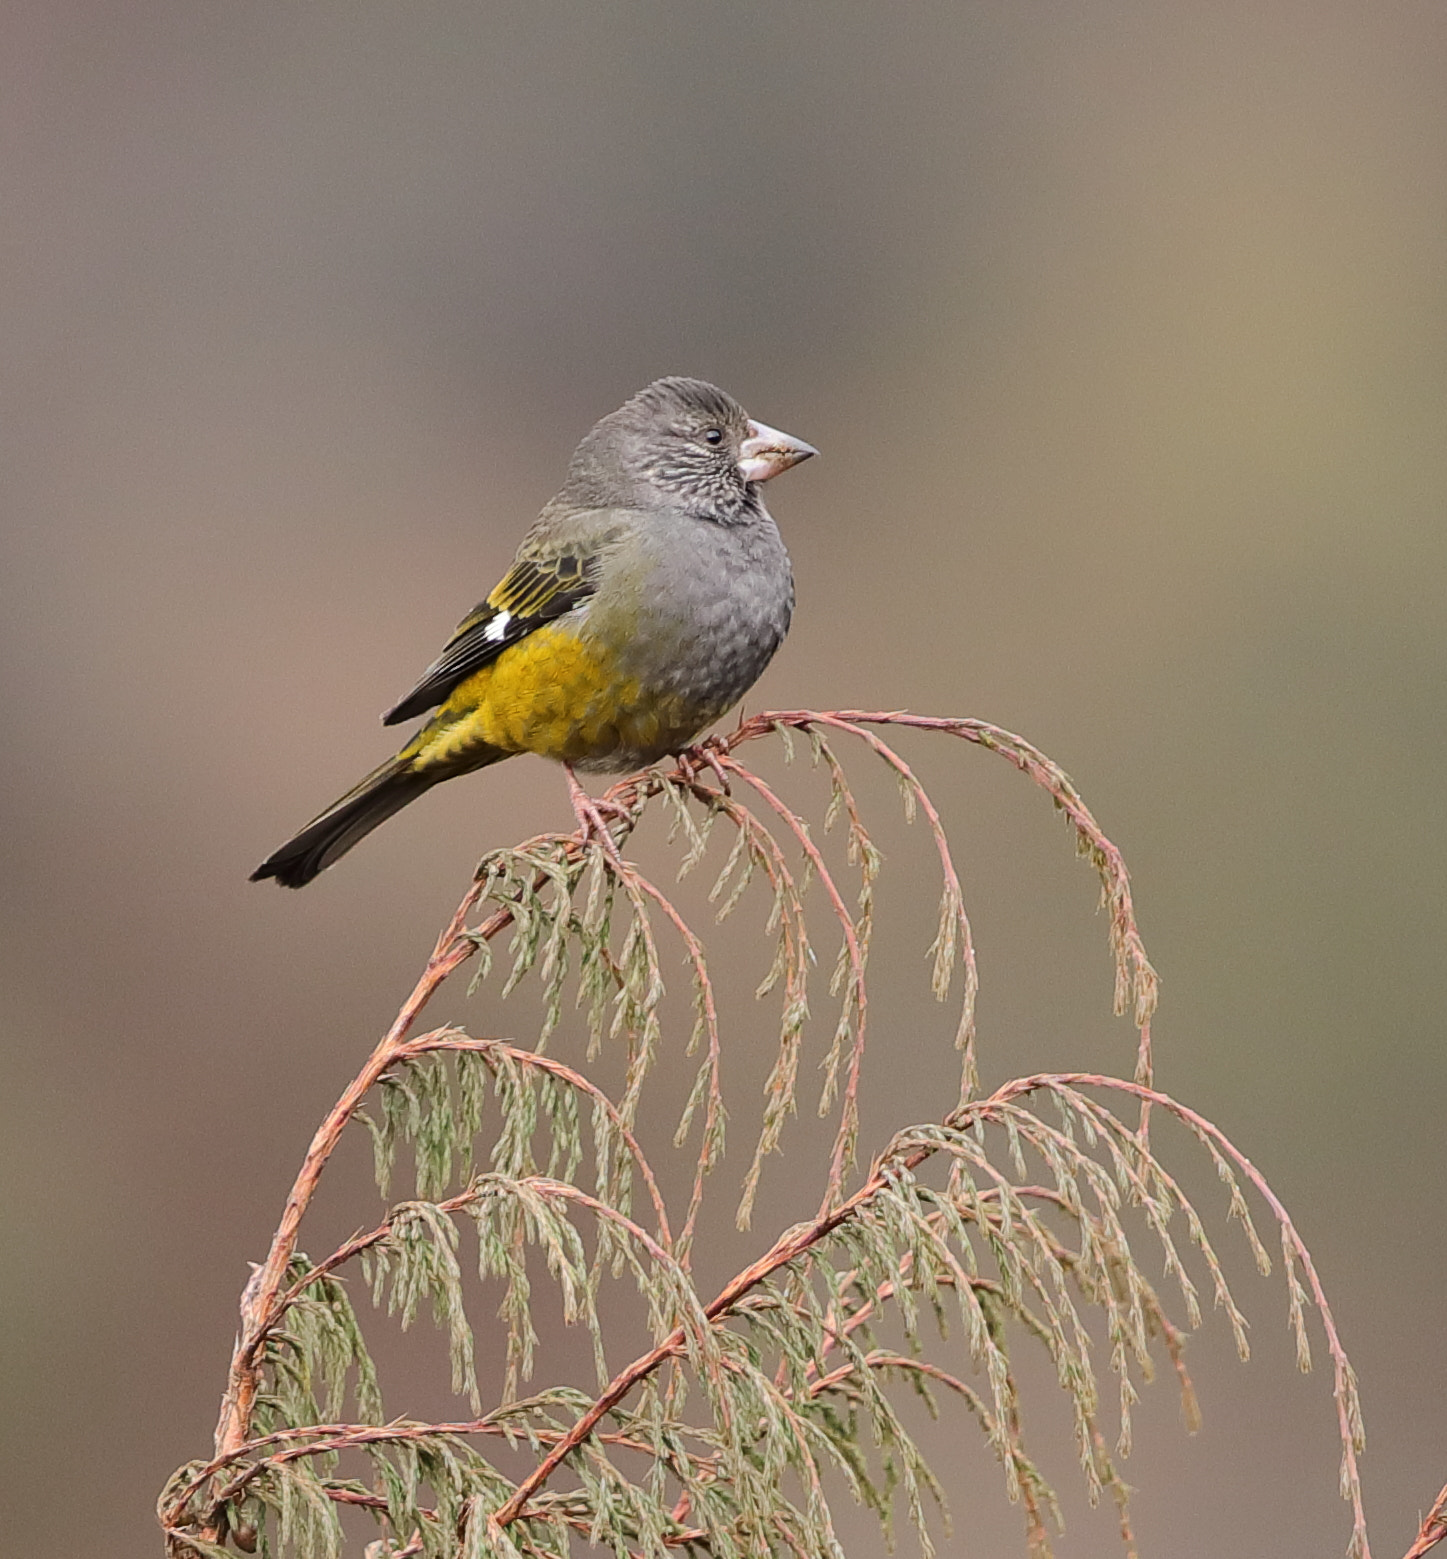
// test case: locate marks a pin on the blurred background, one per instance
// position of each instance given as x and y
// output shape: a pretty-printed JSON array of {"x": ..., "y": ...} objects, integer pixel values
[{"x": 1121, "y": 330}]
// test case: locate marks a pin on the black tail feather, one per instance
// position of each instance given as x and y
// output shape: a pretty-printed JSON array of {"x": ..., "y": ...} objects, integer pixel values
[{"x": 327, "y": 838}]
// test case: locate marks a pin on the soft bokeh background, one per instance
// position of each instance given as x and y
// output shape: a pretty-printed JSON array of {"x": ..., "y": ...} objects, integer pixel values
[{"x": 1121, "y": 327}]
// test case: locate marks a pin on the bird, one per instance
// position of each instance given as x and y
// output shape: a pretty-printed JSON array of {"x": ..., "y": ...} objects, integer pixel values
[{"x": 648, "y": 597}]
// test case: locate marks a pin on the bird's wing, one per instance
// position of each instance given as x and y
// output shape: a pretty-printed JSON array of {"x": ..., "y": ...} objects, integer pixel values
[{"x": 535, "y": 590}]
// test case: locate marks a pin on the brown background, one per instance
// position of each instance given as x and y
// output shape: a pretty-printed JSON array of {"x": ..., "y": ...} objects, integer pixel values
[{"x": 1121, "y": 327}]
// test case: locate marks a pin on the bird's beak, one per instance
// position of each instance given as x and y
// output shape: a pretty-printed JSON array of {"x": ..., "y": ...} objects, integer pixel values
[{"x": 766, "y": 452}]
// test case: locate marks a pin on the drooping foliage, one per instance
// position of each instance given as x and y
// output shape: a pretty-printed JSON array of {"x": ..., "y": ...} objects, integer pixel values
[{"x": 1025, "y": 1217}]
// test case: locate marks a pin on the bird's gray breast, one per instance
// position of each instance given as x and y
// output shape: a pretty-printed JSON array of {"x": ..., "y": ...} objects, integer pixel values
[{"x": 709, "y": 604}]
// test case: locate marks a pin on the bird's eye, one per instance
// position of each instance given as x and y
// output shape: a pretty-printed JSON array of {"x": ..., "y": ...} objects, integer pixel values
[{"x": 713, "y": 436}]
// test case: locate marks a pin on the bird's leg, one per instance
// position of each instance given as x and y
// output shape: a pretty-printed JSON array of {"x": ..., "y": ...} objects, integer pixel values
[{"x": 590, "y": 810}]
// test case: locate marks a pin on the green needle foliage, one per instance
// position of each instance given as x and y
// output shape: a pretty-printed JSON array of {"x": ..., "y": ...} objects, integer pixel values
[{"x": 1023, "y": 1218}]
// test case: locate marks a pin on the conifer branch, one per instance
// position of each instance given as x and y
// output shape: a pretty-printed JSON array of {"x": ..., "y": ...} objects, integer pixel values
[
  {"x": 259, "y": 1302},
  {"x": 1433, "y": 1529},
  {"x": 1024, "y": 1226}
]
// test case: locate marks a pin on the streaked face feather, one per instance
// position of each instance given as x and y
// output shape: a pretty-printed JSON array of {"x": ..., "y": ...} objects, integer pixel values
[{"x": 675, "y": 444}]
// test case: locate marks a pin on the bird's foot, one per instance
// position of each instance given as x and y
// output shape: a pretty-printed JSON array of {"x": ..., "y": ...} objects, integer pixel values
[
  {"x": 706, "y": 754},
  {"x": 593, "y": 813}
]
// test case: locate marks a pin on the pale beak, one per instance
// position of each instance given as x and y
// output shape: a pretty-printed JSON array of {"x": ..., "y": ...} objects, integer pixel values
[{"x": 766, "y": 452}]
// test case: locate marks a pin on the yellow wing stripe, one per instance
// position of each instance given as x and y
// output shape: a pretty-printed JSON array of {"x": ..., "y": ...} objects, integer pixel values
[{"x": 529, "y": 586}]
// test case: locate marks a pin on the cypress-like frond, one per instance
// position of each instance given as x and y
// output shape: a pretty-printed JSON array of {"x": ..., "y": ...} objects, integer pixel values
[{"x": 1026, "y": 1218}]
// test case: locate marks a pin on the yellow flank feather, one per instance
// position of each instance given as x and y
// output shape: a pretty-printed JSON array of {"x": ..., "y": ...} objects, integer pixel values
[{"x": 554, "y": 694}]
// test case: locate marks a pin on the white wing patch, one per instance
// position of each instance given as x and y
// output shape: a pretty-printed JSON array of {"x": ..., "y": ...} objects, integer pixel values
[{"x": 496, "y": 630}]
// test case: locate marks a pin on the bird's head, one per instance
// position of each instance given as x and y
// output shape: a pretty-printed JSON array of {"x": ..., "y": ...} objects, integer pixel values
[{"x": 685, "y": 443}]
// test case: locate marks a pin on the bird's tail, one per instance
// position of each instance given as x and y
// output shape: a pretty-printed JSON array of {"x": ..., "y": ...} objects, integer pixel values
[{"x": 327, "y": 838}]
